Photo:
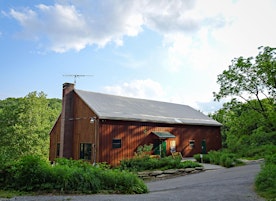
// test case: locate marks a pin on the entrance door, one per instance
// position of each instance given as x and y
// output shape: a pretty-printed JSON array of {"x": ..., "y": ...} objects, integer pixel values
[
  {"x": 159, "y": 148},
  {"x": 163, "y": 149}
]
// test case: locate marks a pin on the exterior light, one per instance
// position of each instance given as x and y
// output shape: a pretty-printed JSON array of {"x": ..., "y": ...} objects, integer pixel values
[{"x": 92, "y": 120}]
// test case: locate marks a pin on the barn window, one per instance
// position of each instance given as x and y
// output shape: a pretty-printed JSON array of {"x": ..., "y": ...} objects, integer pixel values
[
  {"x": 85, "y": 151},
  {"x": 58, "y": 149},
  {"x": 192, "y": 144},
  {"x": 116, "y": 143}
]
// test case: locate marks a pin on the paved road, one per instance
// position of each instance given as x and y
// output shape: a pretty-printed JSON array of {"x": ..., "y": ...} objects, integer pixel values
[{"x": 232, "y": 184}]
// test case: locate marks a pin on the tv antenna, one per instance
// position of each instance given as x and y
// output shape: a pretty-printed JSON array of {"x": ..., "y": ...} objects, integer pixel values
[{"x": 76, "y": 76}]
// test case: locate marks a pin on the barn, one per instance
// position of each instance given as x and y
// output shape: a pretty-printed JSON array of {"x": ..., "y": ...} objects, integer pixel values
[{"x": 106, "y": 128}]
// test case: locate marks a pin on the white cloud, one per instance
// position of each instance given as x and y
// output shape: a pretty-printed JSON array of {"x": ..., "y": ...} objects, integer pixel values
[
  {"x": 70, "y": 27},
  {"x": 79, "y": 24},
  {"x": 150, "y": 89},
  {"x": 147, "y": 89}
]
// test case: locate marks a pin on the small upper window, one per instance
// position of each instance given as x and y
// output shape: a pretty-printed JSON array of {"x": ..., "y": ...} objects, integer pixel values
[
  {"x": 116, "y": 143},
  {"x": 85, "y": 151}
]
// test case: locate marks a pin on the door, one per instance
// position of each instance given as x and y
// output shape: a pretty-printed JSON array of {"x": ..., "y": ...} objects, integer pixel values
[
  {"x": 163, "y": 149},
  {"x": 156, "y": 147},
  {"x": 159, "y": 148}
]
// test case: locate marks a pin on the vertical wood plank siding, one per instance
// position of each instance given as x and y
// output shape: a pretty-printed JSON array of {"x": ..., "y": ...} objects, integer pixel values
[
  {"x": 54, "y": 139},
  {"x": 134, "y": 134},
  {"x": 84, "y": 131}
]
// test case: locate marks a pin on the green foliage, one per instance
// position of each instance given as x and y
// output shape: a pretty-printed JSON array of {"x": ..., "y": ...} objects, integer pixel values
[
  {"x": 251, "y": 123},
  {"x": 143, "y": 150},
  {"x": 25, "y": 124},
  {"x": 146, "y": 163},
  {"x": 32, "y": 173},
  {"x": 244, "y": 129},
  {"x": 249, "y": 76},
  {"x": 205, "y": 158},
  {"x": 266, "y": 180},
  {"x": 27, "y": 174},
  {"x": 222, "y": 158}
]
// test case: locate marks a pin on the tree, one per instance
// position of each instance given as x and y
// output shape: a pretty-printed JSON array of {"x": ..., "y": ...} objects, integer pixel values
[
  {"x": 25, "y": 125},
  {"x": 244, "y": 128},
  {"x": 249, "y": 119},
  {"x": 250, "y": 78}
]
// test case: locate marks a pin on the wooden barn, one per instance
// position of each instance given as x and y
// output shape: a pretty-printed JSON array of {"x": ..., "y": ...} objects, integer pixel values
[{"x": 107, "y": 128}]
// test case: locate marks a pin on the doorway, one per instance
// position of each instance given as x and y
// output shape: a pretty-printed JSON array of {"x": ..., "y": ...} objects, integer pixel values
[{"x": 160, "y": 148}]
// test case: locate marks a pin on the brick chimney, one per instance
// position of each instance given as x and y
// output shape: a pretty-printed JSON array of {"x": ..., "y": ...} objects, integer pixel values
[{"x": 67, "y": 121}]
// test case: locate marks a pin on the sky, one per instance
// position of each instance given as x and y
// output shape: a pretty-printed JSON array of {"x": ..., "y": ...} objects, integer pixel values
[{"x": 162, "y": 50}]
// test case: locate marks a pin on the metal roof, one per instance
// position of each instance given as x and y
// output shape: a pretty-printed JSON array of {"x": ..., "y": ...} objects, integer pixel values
[
  {"x": 132, "y": 109},
  {"x": 163, "y": 135}
]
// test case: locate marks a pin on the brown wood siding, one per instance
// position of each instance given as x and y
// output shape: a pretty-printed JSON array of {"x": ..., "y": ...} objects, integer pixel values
[
  {"x": 54, "y": 140},
  {"x": 84, "y": 131},
  {"x": 134, "y": 134}
]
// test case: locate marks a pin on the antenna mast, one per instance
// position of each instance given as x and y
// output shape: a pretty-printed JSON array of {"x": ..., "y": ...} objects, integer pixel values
[{"x": 76, "y": 76}]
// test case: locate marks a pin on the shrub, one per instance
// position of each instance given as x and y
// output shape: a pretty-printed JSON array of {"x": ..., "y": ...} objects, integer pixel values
[
  {"x": 146, "y": 163},
  {"x": 32, "y": 174},
  {"x": 205, "y": 158},
  {"x": 28, "y": 173},
  {"x": 143, "y": 150},
  {"x": 214, "y": 157},
  {"x": 266, "y": 180},
  {"x": 256, "y": 152},
  {"x": 122, "y": 182},
  {"x": 222, "y": 158}
]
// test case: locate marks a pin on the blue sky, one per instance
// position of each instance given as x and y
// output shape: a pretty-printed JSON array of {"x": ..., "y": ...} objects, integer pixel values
[{"x": 163, "y": 50}]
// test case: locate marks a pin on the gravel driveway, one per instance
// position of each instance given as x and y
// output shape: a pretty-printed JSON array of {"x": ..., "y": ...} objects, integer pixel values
[{"x": 215, "y": 184}]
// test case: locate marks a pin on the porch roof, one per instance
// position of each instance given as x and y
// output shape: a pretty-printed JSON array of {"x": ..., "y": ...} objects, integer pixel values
[{"x": 163, "y": 134}]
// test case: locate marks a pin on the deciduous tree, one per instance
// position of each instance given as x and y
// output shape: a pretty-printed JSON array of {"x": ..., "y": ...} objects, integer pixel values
[
  {"x": 250, "y": 78},
  {"x": 25, "y": 124}
]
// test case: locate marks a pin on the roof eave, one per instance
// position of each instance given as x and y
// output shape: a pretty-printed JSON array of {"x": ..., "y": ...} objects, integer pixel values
[{"x": 161, "y": 121}]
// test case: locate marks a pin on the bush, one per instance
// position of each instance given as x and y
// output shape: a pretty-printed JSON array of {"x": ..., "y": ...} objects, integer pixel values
[
  {"x": 205, "y": 158},
  {"x": 69, "y": 176},
  {"x": 146, "y": 163},
  {"x": 143, "y": 150},
  {"x": 28, "y": 174},
  {"x": 256, "y": 152},
  {"x": 266, "y": 180},
  {"x": 222, "y": 158},
  {"x": 122, "y": 182}
]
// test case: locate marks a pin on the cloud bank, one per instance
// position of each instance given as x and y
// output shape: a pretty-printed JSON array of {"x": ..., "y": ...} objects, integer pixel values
[{"x": 74, "y": 25}]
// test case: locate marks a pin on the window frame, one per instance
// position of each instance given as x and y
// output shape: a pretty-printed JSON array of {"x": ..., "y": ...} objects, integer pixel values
[
  {"x": 116, "y": 143},
  {"x": 85, "y": 151}
]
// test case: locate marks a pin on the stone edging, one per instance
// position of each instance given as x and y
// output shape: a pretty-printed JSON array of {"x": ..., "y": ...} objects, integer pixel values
[{"x": 159, "y": 174}]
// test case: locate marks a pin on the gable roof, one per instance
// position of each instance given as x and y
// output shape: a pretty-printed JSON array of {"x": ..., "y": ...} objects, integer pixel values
[{"x": 132, "y": 109}]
